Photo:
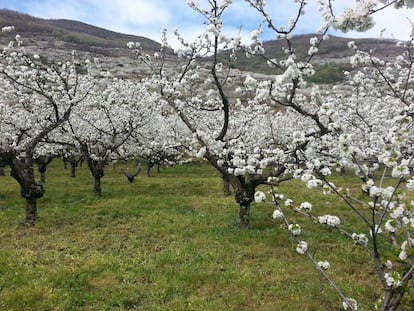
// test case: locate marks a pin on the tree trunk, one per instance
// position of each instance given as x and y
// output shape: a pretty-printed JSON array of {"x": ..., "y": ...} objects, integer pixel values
[
  {"x": 97, "y": 170},
  {"x": 43, "y": 177},
  {"x": 31, "y": 193},
  {"x": 30, "y": 190},
  {"x": 31, "y": 211},
  {"x": 149, "y": 166},
  {"x": 244, "y": 195},
  {"x": 42, "y": 163},
  {"x": 244, "y": 215},
  {"x": 97, "y": 189},
  {"x": 73, "y": 165},
  {"x": 226, "y": 185},
  {"x": 2, "y": 172}
]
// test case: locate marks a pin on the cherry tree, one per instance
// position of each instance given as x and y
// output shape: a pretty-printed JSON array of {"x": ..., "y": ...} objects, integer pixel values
[
  {"x": 37, "y": 97},
  {"x": 364, "y": 127},
  {"x": 72, "y": 155},
  {"x": 298, "y": 131},
  {"x": 227, "y": 131},
  {"x": 115, "y": 111},
  {"x": 373, "y": 137},
  {"x": 45, "y": 153},
  {"x": 163, "y": 142}
]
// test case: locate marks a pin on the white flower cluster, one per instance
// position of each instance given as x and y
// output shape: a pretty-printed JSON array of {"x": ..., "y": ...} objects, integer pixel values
[
  {"x": 313, "y": 48},
  {"x": 361, "y": 239},
  {"x": 410, "y": 184},
  {"x": 259, "y": 196},
  {"x": 288, "y": 202},
  {"x": 277, "y": 214},
  {"x": 400, "y": 171},
  {"x": 329, "y": 220},
  {"x": 201, "y": 152},
  {"x": 310, "y": 181},
  {"x": 255, "y": 34},
  {"x": 407, "y": 249},
  {"x": 350, "y": 302},
  {"x": 384, "y": 193},
  {"x": 133, "y": 45},
  {"x": 390, "y": 225},
  {"x": 295, "y": 229},
  {"x": 400, "y": 213},
  {"x": 324, "y": 264},
  {"x": 306, "y": 206},
  {"x": 357, "y": 18},
  {"x": 7, "y": 29},
  {"x": 393, "y": 279},
  {"x": 302, "y": 247}
]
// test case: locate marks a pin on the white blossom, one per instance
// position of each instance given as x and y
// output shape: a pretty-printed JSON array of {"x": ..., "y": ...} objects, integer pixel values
[
  {"x": 389, "y": 225},
  {"x": 350, "y": 301},
  {"x": 295, "y": 229},
  {"x": 306, "y": 206},
  {"x": 400, "y": 171},
  {"x": 201, "y": 152},
  {"x": 360, "y": 239},
  {"x": 393, "y": 279},
  {"x": 410, "y": 184},
  {"x": 324, "y": 264},
  {"x": 302, "y": 247},
  {"x": 255, "y": 34},
  {"x": 288, "y": 202},
  {"x": 329, "y": 220},
  {"x": 277, "y": 214},
  {"x": 259, "y": 196}
]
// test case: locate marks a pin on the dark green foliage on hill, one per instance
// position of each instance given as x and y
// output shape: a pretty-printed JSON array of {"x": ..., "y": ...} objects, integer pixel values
[{"x": 329, "y": 73}]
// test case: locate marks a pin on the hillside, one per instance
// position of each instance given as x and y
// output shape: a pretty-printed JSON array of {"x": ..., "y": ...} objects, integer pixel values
[
  {"x": 334, "y": 50},
  {"x": 68, "y": 34},
  {"x": 58, "y": 36}
]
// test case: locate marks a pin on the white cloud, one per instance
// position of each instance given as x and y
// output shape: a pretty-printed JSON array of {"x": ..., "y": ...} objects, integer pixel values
[
  {"x": 395, "y": 22},
  {"x": 69, "y": 9},
  {"x": 136, "y": 12}
]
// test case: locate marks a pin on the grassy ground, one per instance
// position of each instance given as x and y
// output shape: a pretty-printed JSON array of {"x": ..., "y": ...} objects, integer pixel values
[{"x": 167, "y": 242}]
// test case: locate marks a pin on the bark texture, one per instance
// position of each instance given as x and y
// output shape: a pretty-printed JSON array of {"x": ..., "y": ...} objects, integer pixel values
[
  {"x": 22, "y": 171},
  {"x": 244, "y": 188}
]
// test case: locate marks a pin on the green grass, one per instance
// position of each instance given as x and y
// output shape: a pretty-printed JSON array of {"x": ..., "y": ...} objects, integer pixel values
[{"x": 167, "y": 242}]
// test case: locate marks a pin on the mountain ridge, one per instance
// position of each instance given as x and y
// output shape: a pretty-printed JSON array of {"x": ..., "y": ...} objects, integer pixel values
[
  {"x": 56, "y": 36},
  {"x": 73, "y": 34}
]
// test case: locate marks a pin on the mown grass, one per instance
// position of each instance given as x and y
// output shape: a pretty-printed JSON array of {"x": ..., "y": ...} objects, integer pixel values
[{"x": 168, "y": 242}]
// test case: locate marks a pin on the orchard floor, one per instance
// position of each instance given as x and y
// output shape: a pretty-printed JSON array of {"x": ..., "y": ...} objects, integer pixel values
[{"x": 170, "y": 242}]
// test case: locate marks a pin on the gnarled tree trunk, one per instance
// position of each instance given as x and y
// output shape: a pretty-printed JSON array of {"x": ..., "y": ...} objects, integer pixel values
[
  {"x": 226, "y": 185},
  {"x": 149, "y": 166},
  {"x": 74, "y": 162},
  {"x": 96, "y": 167},
  {"x": 97, "y": 170},
  {"x": 73, "y": 165},
  {"x": 30, "y": 211},
  {"x": 244, "y": 188},
  {"x": 22, "y": 171},
  {"x": 97, "y": 188},
  {"x": 42, "y": 163}
]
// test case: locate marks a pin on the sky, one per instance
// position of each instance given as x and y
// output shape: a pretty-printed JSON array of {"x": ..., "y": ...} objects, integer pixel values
[{"x": 148, "y": 17}]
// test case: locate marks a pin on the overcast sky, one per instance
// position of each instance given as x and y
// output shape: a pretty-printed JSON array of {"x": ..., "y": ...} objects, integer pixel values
[{"x": 148, "y": 17}]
